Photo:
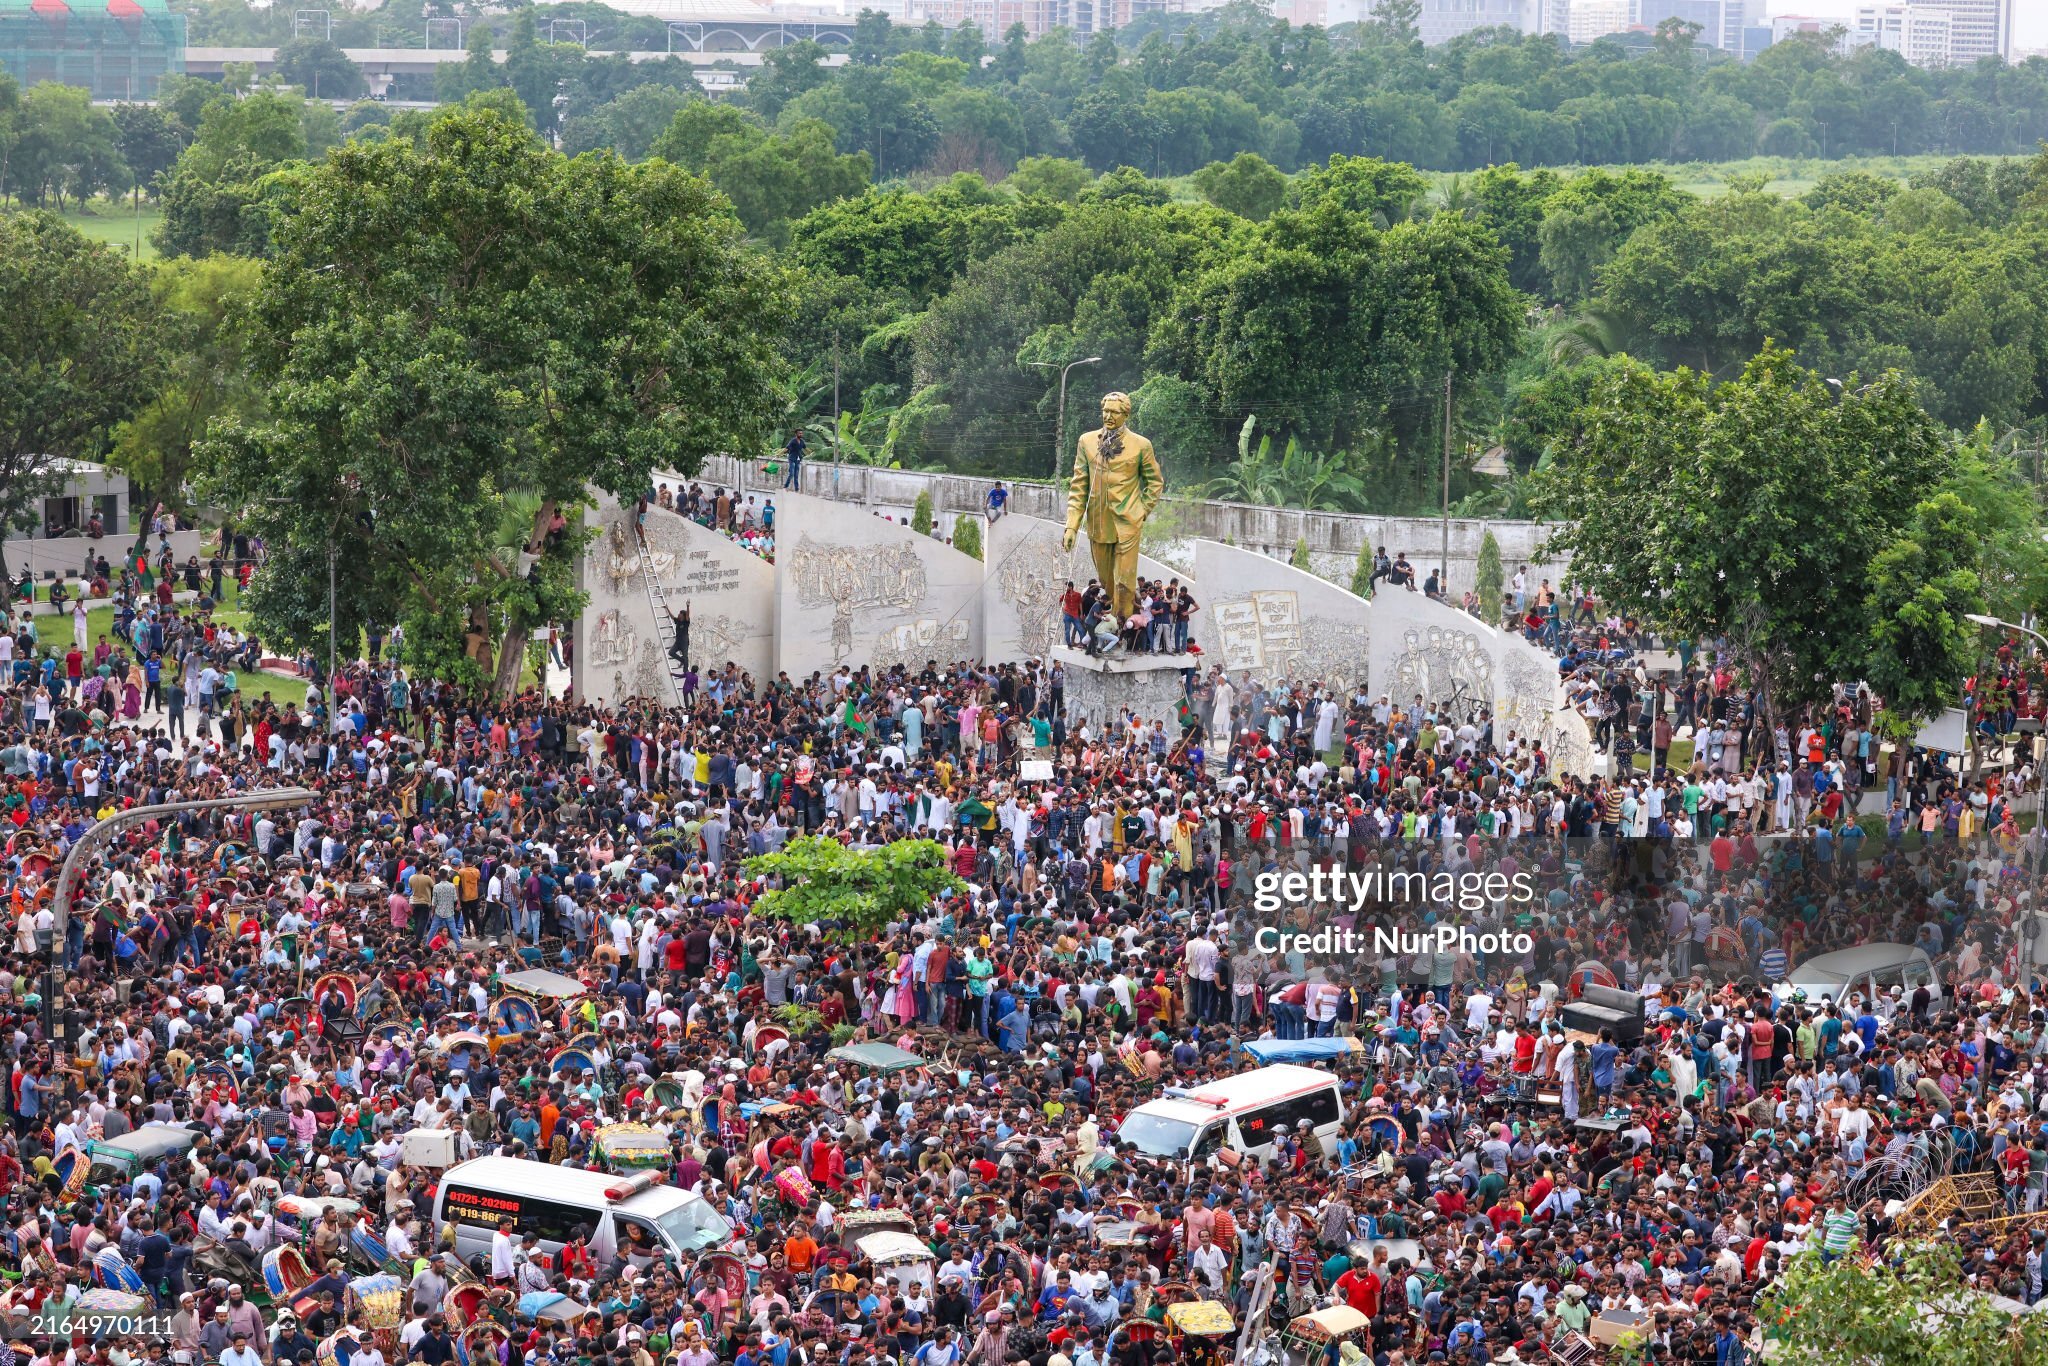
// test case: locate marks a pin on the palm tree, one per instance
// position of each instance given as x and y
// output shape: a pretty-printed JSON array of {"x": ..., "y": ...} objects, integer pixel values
[
  {"x": 1300, "y": 478},
  {"x": 1320, "y": 481},
  {"x": 878, "y": 432},
  {"x": 1589, "y": 335},
  {"x": 1251, "y": 479},
  {"x": 1457, "y": 197}
]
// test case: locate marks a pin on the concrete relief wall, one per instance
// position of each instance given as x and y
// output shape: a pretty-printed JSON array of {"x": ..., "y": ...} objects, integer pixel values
[
  {"x": 1025, "y": 574},
  {"x": 1265, "y": 617},
  {"x": 1423, "y": 648},
  {"x": 852, "y": 588},
  {"x": 1333, "y": 537},
  {"x": 1526, "y": 690},
  {"x": 622, "y": 650}
]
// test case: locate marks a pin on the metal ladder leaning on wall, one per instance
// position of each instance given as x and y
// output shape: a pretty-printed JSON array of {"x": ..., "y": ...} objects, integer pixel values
[{"x": 657, "y": 601}]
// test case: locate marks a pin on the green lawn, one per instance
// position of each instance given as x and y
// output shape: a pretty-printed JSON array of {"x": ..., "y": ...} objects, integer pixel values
[
  {"x": 1787, "y": 176},
  {"x": 117, "y": 224},
  {"x": 55, "y": 631}
]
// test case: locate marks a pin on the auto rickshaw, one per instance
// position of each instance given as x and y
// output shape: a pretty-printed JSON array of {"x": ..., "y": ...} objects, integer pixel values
[
  {"x": 340, "y": 1028},
  {"x": 1311, "y": 1338},
  {"x": 632, "y": 1147},
  {"x": 1198, "y": 1328},
  {"x": 883, "y": 1059},
  {"x": 118, "y": 1161},
  {"x": 527, "y": 1000}
]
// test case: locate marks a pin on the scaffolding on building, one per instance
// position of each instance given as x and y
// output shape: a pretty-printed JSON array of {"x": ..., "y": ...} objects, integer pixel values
[{"x": 117, "y": 49}]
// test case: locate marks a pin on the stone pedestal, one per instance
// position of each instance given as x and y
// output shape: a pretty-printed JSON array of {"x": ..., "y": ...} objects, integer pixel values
[{"x": 1099, "y": 691}]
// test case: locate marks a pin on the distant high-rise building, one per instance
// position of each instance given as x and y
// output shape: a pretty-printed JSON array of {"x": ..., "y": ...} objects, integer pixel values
[
  {"x": 1591, "y": 19},
  {"x": 1549, "y": 17},
  {"x": 994, "y": 17},
  {"x": 1978, "y": 28},
  {"x": 1719, "y": 21},
  {"x": 1442, "y": 20},
  {"x": 1847, "y": 39},
  {"x": 1922, "y": 34}
]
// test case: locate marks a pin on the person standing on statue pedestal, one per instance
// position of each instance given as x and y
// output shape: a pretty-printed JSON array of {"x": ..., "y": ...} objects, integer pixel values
[{"x": 1115, "y": 486}]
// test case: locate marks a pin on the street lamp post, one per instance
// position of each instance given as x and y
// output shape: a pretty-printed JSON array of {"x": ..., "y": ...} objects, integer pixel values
[
  {"x": 101, "y": 833},
  {"x": 1059, "y": 433}
]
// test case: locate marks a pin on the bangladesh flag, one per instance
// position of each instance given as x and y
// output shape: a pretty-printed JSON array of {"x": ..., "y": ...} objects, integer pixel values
[{"x": 852, "y": 719}]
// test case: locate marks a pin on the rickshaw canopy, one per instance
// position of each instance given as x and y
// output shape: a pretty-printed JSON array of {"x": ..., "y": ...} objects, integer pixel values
[
  {"x": 540, "y": 982},
  {"x": 1201, "y": 1318},
  {"x": 877, "y": 1057},
  {"x": 1327, "y": 1325},
  {"x": 890, "y": 1247}
]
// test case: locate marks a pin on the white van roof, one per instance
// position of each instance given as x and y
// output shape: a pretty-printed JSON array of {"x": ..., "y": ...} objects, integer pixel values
[
  {"x": 1245, "y": 1091},
  {"x": 1847, "y": 965},
  {"x": 574, "y": 1184}
]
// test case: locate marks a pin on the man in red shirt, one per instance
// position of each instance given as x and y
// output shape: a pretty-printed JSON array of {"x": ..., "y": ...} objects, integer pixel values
[{"x": 1360, "y": 1287}]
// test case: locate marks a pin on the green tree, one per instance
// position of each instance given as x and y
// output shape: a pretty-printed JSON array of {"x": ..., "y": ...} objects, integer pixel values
[
  {"x": 854, "y": 894},
  {"x": 1544, "y": 411},
  {"x": 1055, "y": 178},
  {"x": 874, "y": 110},
  {"x": 785, "y": 73},
  {"x": 2012, "y": 566},
  {"x": 1913, "y": 1308},
  {"x": 1488, "y": 578},
  {"x": 1575, "y": 244},
  {"x": 1384, "y": 191},
  {"x": 1713, "y": 509},
  {"x": 1859, "y": 192},
  {"x": 478, "y": 71},
  {"x": 1333, "y": 327},
  {"x": 1095, "y": 282},
  {"x": 907, "y": 244},
  {"x": 454, "y": 322},
  {"x": 1299, "y": 559},
  {"x": 149, "y": 139},
  {"x": 184, "y": 98},
  {"x": 921, "y": 513},
  {"x": 1247, "y": 185},
  {"x": 967, "y": 535},
  {"x": 771, "y": 178},
  {"x": 533, "y": 70},
  {"x": 1921, "y": 587},
  {"x": 81, "y": 342},
  {"x": 205, "y": 374},
  {"x": 1126, "y": 185},
  {"x": 1361, "y": 570},
  {"x": 631, "y": 124},
  {"x": 66, "y": 148},
  {"x": 213, "y": 197},
  {"x": 1174, "y": 413},
  {"x": 319, "y": 67}
]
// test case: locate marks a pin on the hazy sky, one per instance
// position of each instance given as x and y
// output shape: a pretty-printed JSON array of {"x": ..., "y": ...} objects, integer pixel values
[{"x": 2029, "y": 20}]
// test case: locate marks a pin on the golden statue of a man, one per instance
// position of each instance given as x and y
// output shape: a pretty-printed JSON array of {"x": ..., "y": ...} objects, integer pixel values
[{"x": 1116, "y": 485}]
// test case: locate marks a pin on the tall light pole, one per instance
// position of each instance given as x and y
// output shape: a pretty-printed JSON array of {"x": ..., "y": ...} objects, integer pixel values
[
  {"x": 1059, "y": 432},
  {"x": 101, "y": 833}
]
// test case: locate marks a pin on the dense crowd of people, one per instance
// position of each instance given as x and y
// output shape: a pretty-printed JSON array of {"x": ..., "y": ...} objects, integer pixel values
[
  {"x": 731, "y": 514},
  {"x": 1497, "y": 1183}
]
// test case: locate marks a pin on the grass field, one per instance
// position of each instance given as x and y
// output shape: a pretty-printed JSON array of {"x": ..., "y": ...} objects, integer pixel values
[
  {"x": 118, "y": 225},
  {"x": 1788, "y": 176},
  {"x": 55, "y": 632}
]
